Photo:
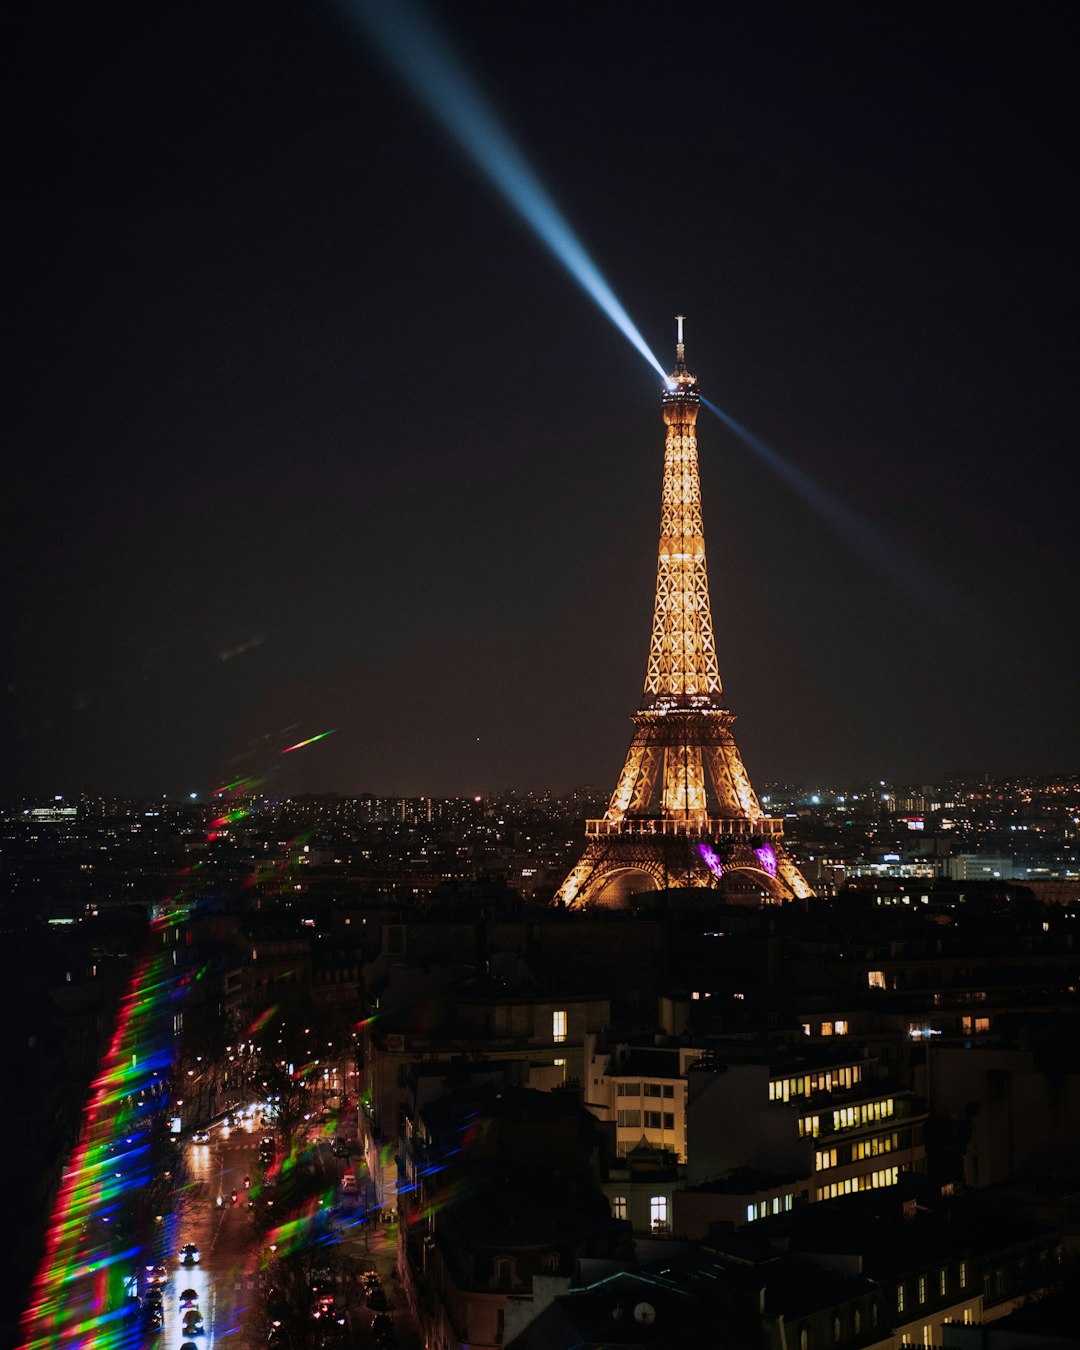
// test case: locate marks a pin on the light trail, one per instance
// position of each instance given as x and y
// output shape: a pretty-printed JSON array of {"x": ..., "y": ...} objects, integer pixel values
[{"x": 411, "y": 41}]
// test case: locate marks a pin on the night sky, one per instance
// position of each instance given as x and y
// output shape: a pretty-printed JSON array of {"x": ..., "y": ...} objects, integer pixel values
[{"x": 307, "y": 430}]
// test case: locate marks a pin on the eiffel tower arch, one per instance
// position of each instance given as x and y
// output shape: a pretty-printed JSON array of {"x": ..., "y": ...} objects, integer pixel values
[{"x": 683, "y": 812}]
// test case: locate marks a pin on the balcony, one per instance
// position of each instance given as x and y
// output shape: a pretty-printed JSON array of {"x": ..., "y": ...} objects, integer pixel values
[{"x": 709, "y": 827}]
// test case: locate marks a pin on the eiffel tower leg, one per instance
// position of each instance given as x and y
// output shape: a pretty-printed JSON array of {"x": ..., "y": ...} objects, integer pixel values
[
  {"x": 577, "y": 885},
  {"x": 790, "y": 875}
]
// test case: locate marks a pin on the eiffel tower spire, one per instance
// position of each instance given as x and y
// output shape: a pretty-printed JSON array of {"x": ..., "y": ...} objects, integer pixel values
[{"x": 683, "y": 812}]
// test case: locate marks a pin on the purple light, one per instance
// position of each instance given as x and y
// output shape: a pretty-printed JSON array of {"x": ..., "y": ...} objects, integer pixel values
[
  {"x": 767, "y": 858},
  {"x": 712, "y": 860}
]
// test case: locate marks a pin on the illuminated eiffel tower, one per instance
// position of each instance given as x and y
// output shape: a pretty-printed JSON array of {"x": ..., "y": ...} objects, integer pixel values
[{"x": 683, "y": 812}]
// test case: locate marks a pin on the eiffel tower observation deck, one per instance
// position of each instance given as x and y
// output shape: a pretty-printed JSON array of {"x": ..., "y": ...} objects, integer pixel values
[{"x": 683, "y": 813}]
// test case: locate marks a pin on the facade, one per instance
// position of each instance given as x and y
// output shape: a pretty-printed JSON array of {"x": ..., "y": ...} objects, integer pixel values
[
  {"x": 823, "y": 1119},
  {"x": 683, "y": 812}
]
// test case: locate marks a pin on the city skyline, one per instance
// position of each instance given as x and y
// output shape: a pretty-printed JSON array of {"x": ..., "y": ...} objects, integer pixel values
[{"x": 286, "y": 467}]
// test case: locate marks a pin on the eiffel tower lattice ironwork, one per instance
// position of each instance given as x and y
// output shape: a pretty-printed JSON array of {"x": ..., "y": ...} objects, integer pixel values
[{"x": 683, "y": 812}]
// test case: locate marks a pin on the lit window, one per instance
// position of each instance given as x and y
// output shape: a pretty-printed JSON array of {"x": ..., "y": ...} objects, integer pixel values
[
  {"x": 841, "y": 1028},
  {"x": 900, "y": 1297},
  {"x": 558, "y": 1026},
  {"x": 963, "y": 1274},
  {"x": 942, "y": 1281},
  {"x": 658, "y": 1211},
  {"x": 837, "y": 1330},
  {"x": 922, "y": 1288},
  {"x": 618, "y": 1207},
  {"x": 875, "y": 979},
  {"x": 826, "y": 1028}
]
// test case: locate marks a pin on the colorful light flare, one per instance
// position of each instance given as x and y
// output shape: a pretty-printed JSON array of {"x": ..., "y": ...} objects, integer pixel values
[
  {"x": 100, "y": 1233},
  {"x": 310, "y": 741}
]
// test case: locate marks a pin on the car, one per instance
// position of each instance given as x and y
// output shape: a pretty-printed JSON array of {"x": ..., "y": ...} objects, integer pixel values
[
  {"x": 377, "y": 1299},
  {"x": 200, "y": 1137},
  {"x": 189, "y": 1254},
  {"x": 188, "y": 1298},
  {"x": 192, "y": 1322},
  {"x": 189, "y": 1345},
  {"x": 155, "y": 1317},
  {"x": 154, "y": 1294},
  {"x": 382, "y": 1330},
  {"x": 156, "y": 1274}
]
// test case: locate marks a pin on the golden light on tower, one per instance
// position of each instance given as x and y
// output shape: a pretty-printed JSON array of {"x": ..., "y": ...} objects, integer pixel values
[{"x": 683, "y": 812}]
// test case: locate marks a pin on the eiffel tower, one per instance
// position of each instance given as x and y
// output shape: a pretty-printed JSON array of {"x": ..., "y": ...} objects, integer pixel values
[{"x": 683, "y": 812}]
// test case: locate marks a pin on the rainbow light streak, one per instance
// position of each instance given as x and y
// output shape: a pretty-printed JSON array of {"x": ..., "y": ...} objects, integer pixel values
[
  {"x": 410, "y": 40},
  {"x": 712, "y": 859},
  {"x": 238, "y": 785},
  {"x": 101, "y": 1231},
  {"x": 261, "y": 1021},
  {"x": 310, "y": 741},
  {"x": 921, "y": 583},
  {"x": 767, "y": 858}
]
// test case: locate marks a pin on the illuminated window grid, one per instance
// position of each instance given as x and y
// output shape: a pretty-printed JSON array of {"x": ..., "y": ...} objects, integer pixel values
[
  {"x": 763, "y": 1208},
  {"x": 805, "y": 1085},
  {"x": 868, "y": 1181}
]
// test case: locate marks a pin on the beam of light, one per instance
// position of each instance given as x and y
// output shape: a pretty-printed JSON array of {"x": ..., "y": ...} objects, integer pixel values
[
  {"x": 910, "y": 575},
  {"x": 412, "y": 43},
  {"x": 310, "y": 741}
]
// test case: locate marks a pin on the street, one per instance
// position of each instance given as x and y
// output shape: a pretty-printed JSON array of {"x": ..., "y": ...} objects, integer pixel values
[{"x": 227, "y": 1284}]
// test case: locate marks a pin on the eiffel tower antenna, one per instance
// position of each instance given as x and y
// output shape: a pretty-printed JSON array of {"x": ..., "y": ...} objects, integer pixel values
[{"x": 683, "y": 812}]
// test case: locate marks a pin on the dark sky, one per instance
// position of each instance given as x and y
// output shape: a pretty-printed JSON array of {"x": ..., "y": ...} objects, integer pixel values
[{"x": 309, "y": 431}]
